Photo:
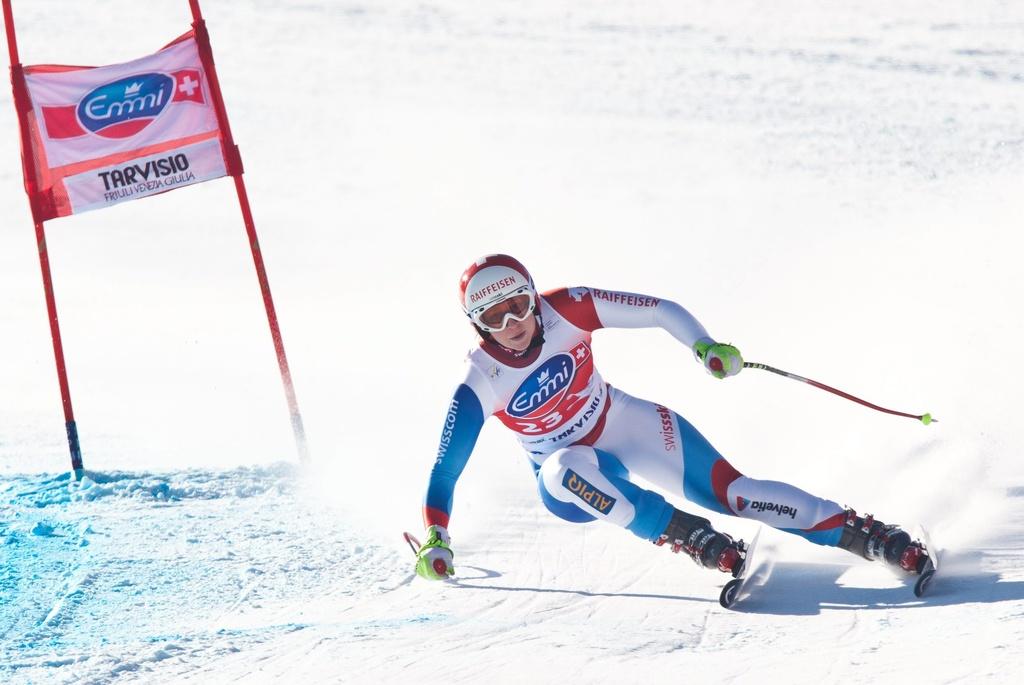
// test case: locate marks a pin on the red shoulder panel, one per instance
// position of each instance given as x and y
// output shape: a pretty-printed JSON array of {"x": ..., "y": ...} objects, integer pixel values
[{"x": 576, "y": 305}]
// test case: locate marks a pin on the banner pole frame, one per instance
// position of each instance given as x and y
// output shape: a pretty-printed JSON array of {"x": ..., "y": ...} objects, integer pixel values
[
  {"x": 22, "y": 105},
  {"x": 40, "y": 205}
]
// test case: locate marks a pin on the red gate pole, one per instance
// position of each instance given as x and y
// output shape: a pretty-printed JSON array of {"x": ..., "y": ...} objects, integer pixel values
[
  {"x": 234, "y": 162},
  {"x": 22, "y": 104}
]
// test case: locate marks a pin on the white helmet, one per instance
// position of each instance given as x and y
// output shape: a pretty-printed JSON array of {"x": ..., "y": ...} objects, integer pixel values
[{"x": 495, "y": 288}]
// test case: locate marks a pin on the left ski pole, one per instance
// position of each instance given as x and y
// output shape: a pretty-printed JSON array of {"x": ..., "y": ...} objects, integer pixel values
[
  {"x": 413, "y": 543},
  {"x": 923, "y": 418}
]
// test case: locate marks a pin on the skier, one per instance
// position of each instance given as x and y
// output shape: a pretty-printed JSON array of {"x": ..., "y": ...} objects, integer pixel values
[{"x": 534, "y": 370}]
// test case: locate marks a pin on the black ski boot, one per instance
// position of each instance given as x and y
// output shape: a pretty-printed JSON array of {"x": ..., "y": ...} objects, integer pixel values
[
  {"x": 706, "y": 546},
  {"x": 874, "y": 540}
]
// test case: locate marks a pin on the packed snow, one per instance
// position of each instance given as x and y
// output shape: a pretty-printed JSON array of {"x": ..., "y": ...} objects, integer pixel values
[{"x": 832, "y": 187}]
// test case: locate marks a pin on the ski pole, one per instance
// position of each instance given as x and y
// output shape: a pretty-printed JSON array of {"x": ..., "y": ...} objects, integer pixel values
[
  {"x": 414, "y": 544},
  {"x": 923, "y": 418}
]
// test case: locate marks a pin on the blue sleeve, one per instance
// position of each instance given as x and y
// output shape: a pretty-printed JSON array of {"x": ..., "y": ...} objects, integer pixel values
[{"x": 462, "y": 426}]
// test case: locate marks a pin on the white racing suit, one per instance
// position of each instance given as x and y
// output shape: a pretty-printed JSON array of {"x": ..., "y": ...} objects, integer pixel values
[{"x": 585, "y": 438}]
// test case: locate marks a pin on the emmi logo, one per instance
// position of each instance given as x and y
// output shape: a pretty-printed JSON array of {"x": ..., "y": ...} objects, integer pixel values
[
  {"x": 124, "y": 107},
  {"x": 549, "y": 384},
  {"x": 578, "y": 486}
]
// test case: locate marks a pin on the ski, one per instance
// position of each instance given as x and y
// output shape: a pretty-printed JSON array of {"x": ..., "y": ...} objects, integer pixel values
[
  {"x": 925, "y": 581},
  {"x": 731, "y": 592}
]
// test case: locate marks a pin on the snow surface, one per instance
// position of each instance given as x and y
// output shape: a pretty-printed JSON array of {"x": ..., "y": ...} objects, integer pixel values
[{"x": 834, "y": 187}]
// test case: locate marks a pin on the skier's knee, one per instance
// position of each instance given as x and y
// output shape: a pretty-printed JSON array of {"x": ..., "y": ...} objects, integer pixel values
[
  {"x": 554, "y": 468},
  {"x": 566, "y": 511},
  {"x": 550, "y": 482}
]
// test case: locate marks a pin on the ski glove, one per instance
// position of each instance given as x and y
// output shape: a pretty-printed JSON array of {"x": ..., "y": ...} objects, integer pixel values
[
  {"x": 434, "y": 559},
  {"x": 720, "y": 359}
]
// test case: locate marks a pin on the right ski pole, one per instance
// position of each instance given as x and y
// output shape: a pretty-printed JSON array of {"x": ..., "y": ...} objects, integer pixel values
[{"x": 923, "y": 418}]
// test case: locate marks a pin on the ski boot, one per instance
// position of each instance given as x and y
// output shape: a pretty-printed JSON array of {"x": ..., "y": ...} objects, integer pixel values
[
  {"x": 706, "y": 546},
  {"x": 873, "y": 540}
]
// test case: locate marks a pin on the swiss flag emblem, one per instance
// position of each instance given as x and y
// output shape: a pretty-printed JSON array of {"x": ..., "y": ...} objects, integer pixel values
[
  {"x": 188, "y": 86},
  {"x": 741, "y": 503}
]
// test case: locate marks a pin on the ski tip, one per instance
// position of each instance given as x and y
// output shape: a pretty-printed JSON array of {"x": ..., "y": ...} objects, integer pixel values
[
  {"x": 730, "y": 592},
  {"x": 921, "y": 586},
  {"x": 933, "y": 552}
]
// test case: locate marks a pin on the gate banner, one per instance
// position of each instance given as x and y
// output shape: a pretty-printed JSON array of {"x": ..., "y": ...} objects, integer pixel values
[{"x": 104, "y": 135}]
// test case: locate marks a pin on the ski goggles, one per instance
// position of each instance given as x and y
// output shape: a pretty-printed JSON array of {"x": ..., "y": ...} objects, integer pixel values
[{"x": 494, "y": 318}]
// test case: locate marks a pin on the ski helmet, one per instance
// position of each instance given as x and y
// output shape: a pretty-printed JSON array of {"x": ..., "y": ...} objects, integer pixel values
[{"x": 493, "y": 279}]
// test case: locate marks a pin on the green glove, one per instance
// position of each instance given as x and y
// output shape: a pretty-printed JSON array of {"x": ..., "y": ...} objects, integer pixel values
[
  {"x": 720, "y": 359},
  {"x": 434, "y": 559}
]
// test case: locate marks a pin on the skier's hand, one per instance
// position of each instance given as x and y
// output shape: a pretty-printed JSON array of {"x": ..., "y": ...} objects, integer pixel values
[
  {"x": 434, "y": 559},
  {"x": 720, "y": 359}
]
